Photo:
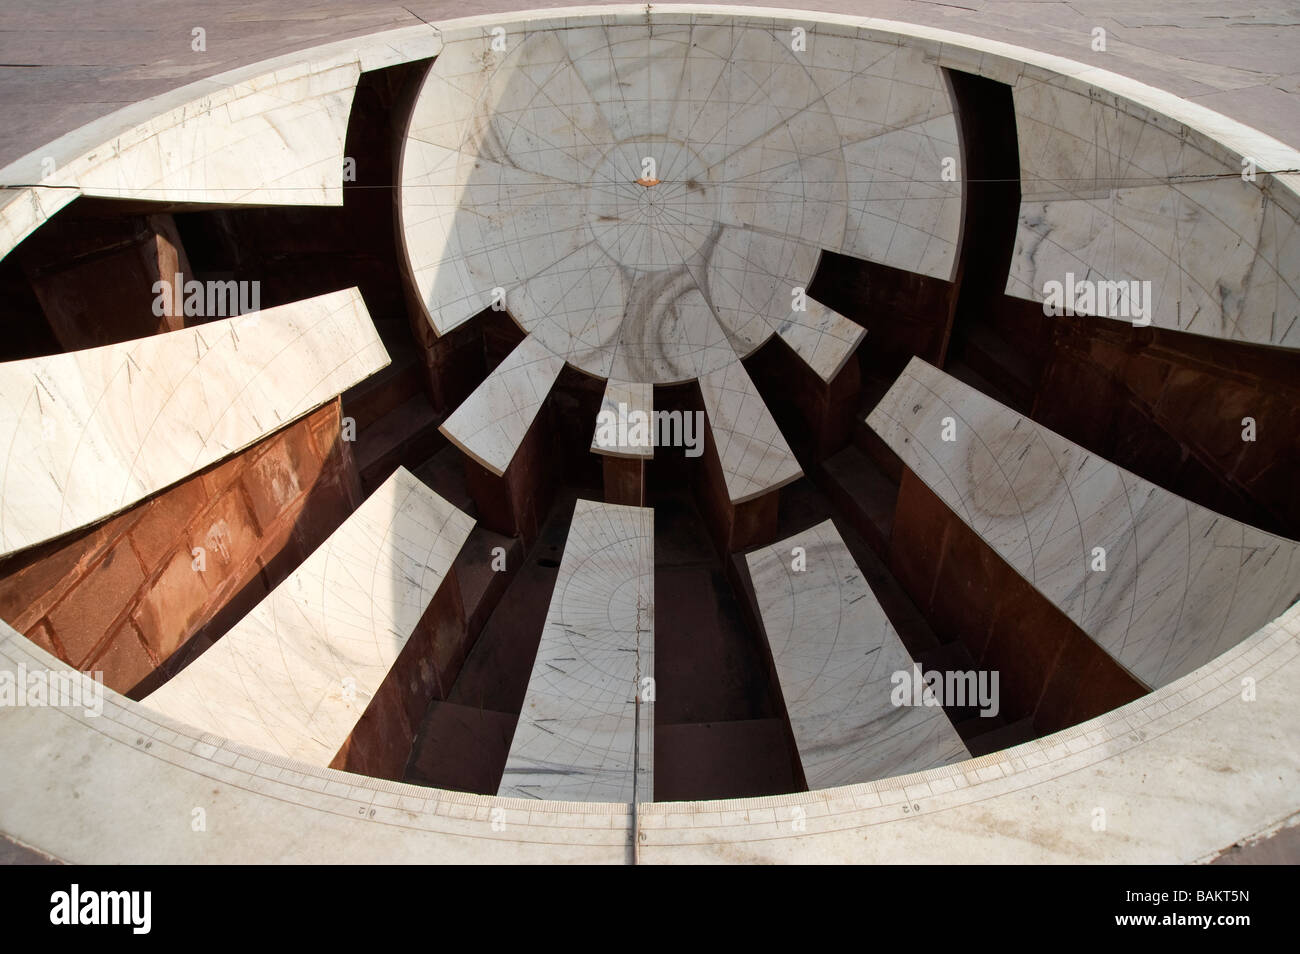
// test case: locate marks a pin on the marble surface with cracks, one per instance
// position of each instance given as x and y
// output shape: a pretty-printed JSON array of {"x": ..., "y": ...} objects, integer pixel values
[
  {"x": 272, "y": 133},
  {"x": 92, "y": 432},
  {"x": 1175, "y": 585},
  {"x": 586, "y": 730},
  {"x": 836, "y": 656},
  {"x": 1113, "y": 192},
  {"x": 650, "y": 201}
]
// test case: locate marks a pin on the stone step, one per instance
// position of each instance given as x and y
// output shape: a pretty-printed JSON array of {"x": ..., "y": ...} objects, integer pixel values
[
  {"x": 995, "y": 366},
  {"x": 863, "y": 494},
  {"x": 386, "y": 389},
  {"x": 445, "y": 473},
  {"x": 867, "y": 440},
  {"x": 461, "y": 748},
  {"x": 407, "y": 435},
  {"x": 482, "y": 583},
  {"x": 495, "y": 674},
  {"x": 722, "y": 760}
]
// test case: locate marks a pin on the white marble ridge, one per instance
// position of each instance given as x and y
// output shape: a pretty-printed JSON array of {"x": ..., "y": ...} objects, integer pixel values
[
  {"x": 89, "y": 433},
  {"x": 835, "y": 653},
  {"x": 273, "y": 140},
  {"x": 523, "y": 170},
  {"x": 270, "y": 134},
  {"x": 1182, "y": 584},
  {"x": 586, "y": 730},
  {"x": 755, "y": 457},
  {"x": 1157, "y": 765},
  {"x": 492, "y": 422},
  {"x": 1114, "y": 192},
  {"x": 822, "y": 337},
  {"x": 621, "y": 404},
  {"x": 294, "y": 675}
]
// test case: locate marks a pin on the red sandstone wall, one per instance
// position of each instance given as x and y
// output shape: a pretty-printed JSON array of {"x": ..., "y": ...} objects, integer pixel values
[
  {"x": 94, "y": 277},
  {"x": 123, "y": 597},
  {"x": 734, "y": 527},
  {"x": 905, "y": 314},
  {"x": 817, "y": 417},
  {"x": 1170, "y": 407},
  {"x": 380, "y": 742},
  {"x": 517, "y": 503}
]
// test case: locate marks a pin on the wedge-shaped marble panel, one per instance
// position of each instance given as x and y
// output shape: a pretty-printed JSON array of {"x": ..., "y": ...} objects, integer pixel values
[
  {"x": 624, "y": 406},
  {"x": 269, "y": 133},
  {"x": 836, "y": 655},
  {"x": 630, "y": 187},
  {"x": 276, "y": 139},
  {"x": 295, "y": 675},
  {"x": 492, "y": 422},
  {"x": 753, "y": 278},
  {"x": 821, "y": 336},
  {"x": 1114, "y": 192},
  {"x": 1180, "y": 585},
  {"x": 586, "y": 731},
  {"x": 895, "y": 116},
  {"x": 669, "y": 333},
  {"x": 758, "y": 282},
  {"x": 472, "y": 225},
  {"x": 755, "y": 457},
  {"x": 89, "y": 433}
]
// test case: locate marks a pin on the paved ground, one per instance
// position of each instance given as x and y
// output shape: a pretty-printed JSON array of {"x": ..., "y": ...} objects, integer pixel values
[
  {"x": 66, "y": 62},
  {"x": 1282, "y": 847}
]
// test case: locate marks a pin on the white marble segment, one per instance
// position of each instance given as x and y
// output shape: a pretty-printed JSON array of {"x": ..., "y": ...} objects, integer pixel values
[
  {"x": 770, "y": 142},
  {"x": 275, "y": 140},
  {"x": 682, "y": 341},
  {"x": 755, "y": 457},
  {"x": 269, "y": 133},
  {"x": 586, "y": 730},
  {"x": 1167, "y": 767},
  {"x": 754, "y": 279},
  {"x": 1070, "y": 146},
  {"x": 907, "y": 216},
  {"x": 822, "y": 337},
  {"x": 492, "y": 422},
  {"x": 89, "y": 433},
  {"x": 523, "y": 170},
  {"x": 462, "y": 241},
  {"x": 1114, "y": 192},
  {"x": 1182, "y": 584},
  {"x": 835, "y": 654},
  {"x": 574, "y": 317},
  {"x": 294, "y": 675},
  {"x": 621, "y": 400},
  {"x": 895, "y": 118}
]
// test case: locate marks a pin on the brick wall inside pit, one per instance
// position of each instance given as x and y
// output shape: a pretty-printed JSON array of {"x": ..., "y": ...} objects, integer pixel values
[{"x": 125, "y": 598}]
